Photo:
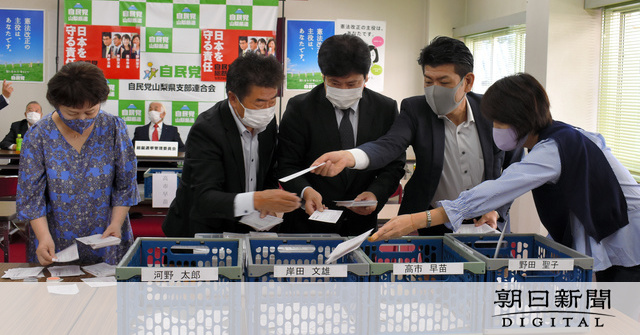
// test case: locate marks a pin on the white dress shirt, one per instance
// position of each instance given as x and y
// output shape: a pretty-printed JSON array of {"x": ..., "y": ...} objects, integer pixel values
[{"x": 151, "y": 128}]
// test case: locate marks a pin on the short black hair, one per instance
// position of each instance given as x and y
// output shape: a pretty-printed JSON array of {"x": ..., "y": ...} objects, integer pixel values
[
  {"x": 117, "y": 35},
  {"x": 519, "y": 101},
  {"x": 341, "y": 55},
  {"x": 242, "y": 38},
  {"x": 446, "y": 50},
  {"x": 254, "y": 39},
  {"x": 253, "y": 69},
  {"x": 126, "y": 37},
  {"x": 106, "y": 34},
  {"x": 77, "y": 84}
]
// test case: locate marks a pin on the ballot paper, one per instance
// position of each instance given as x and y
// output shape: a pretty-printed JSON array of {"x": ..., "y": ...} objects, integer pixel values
[
  {"x": 65, "y": 271},
  {"x": 100, "y": 281},
  {"x": 100, "y": 270},
  {"x": 22, "y": 273},
  {"x": 298, "y": 174},
  {"x": 64, "y": 289},
  {"x": 354, "y": 203},
  {"x": 69, "y": 254},
  {"x": 472, "y": 229},
  {"x": 96, "y": 241},
  {"x": 254, "y": 221},
  {"x": 328, "y": 215},
  {"x": 347, "y": 246}
]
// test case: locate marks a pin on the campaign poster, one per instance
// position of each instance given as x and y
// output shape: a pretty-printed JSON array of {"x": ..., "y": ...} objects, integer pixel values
[
  {"x": 303, "y": 42},
  {"x": 373, "y": 33},
  {"x": 220, "y": 47},
  {"x": 22, "y": 49}
]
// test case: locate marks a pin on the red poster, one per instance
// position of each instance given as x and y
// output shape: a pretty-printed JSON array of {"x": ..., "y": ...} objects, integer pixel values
[
  {"x": 114, "y": 49},
  {"x": 220, "y": 47}
]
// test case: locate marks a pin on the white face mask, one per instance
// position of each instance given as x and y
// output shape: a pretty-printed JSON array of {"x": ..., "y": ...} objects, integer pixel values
[
  {"x": 154, "y": 117},
  {"x": 442, "y": 100},
  {"x": 33, "y": 117},
  {"x": 343, "y": 98},
  {"x": 257, "y": 118}
]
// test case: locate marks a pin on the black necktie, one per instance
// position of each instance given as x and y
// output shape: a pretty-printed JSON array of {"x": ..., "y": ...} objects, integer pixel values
[{"x": 346, "y": 130}]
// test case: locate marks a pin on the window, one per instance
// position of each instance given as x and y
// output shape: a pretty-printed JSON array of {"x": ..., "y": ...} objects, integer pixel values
[
  {"x": 496, "y": 54},
  {"x": 619, "y": 93}
]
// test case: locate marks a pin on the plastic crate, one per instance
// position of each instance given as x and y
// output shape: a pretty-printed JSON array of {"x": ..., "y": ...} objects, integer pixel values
[
  {"x": 148, "y": 178},
  {"x": 180, "y": 307},
  {"x": 525, "y": 246},
  {"x": 264, "y": 253},
  {"x": 182, "y": 252},
  {"x": 425, "y": 250}
]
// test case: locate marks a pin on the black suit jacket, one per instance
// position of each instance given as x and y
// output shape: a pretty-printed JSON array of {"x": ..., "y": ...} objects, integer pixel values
[
  {"x": 213, "y": 174},
  {"x": 419, "y": 127},
  {"x": 168, "y": 133},
  {"x": 309, "y": 129},
  {"x": 18, "y": 127},
  {"x": 3, "y": 102}
]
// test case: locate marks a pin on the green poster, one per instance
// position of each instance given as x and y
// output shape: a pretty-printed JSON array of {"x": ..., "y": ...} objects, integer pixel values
[
  {"x": 114, "y": 89},
  {"x": 77, "y": 12},
  {"x": 159, "y": 39},
  {"x": 265, "y": 2},
  {"x": 186, "y": 16},
  {"x": 213, "y": 2},
  {"x": 184, "y": 113},
  {"x": 239, "y": 17},
  {"x": 132, "y": 14},
  {"x": 132, "y": 111}
]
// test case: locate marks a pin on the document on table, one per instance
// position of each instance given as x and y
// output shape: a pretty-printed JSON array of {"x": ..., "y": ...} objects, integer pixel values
[
  {"x": 63, "y": 289},
  {"x": 22, "y": 273},
  {"x": 100, "y": 281},
  {"x": 65, "y": 271},
  {"x": 298, "y": 174},
  {"x": 101, "y": 269},
  {"x": 472, "y": 229},
  {"x": 254, "y": 221},
  {"x": 96, "y": 241},
  {"x": 328, "y": 215},
  {"x": 69, "y": 254},
  {"x": 354, "y": 203},
  {"x": 347, "y": 246}
]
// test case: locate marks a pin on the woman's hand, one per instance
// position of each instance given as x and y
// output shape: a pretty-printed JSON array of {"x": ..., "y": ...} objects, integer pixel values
[
  {"x": 491, "y": 219},
  {"x": 46, "y": 250},
  {"x": 396, "y": 227},
  {"x": 114, "y": 229}
]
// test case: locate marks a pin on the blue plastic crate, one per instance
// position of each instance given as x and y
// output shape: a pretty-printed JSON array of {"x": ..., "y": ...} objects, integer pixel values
[
  {"x": 225, "y": 254},
  {"x": 264, "y": 253},
  {"x": 148, "y": 178},
  {"x": 525, "y": 246},
  {"x": 421, "y": 250}
]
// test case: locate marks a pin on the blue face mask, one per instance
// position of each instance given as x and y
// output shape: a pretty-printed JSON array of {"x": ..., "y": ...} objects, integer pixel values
[
  {"x": 507, "y": 139},
  {"x": 78, "y": 126}
]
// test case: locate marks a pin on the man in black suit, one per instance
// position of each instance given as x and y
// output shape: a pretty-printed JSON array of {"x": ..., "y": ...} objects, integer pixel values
[
  {"x": 156, "y": 130},
  {"x": 452, "y": 140},
  {"x": 33, "y": 113},
  {"x": 338, "y": 114},
  {"x": 230, "y": 159},
  {"x": 107, "y": 46},
  {"x": 6, "y": 93}
]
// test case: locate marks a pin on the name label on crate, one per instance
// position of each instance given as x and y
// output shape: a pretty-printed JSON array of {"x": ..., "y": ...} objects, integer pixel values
[
  {"x": 540, "y": 264},
  {"x": 156, "y": 148},
  {"x": 428, "y": 268},
  {"x": 179, "y": 274},
  {"x": 309, "y": 271}
]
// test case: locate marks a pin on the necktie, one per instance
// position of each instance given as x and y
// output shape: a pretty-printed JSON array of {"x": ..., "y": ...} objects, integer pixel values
[
  {"x": 346, "y": 130},
  {"x": 154, "y": 135}
]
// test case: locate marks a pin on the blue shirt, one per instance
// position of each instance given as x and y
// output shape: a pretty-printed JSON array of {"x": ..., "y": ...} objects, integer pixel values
[{"x": 542, "y": 165}]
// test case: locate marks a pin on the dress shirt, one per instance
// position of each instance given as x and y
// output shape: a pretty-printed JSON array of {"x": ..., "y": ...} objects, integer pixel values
[
  {"x": 243, "y": 202},
  {"x": 463, "y": 166},
  {"x": 542, "y": 165},
  {"x": 151, "y": 129}
]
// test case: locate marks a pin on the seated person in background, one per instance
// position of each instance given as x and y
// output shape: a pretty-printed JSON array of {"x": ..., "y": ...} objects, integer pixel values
[
  {"x": 229, "y": 163},
  {"x": 32, "y": 114},
  {"x": 337, "y": 115},
  {"x": 6, "y": 93},
  {"x": 156, "y": 130}
]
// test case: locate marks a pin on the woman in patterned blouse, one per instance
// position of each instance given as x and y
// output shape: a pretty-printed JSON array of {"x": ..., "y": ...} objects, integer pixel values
[{"x": 77, "y": 171}]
